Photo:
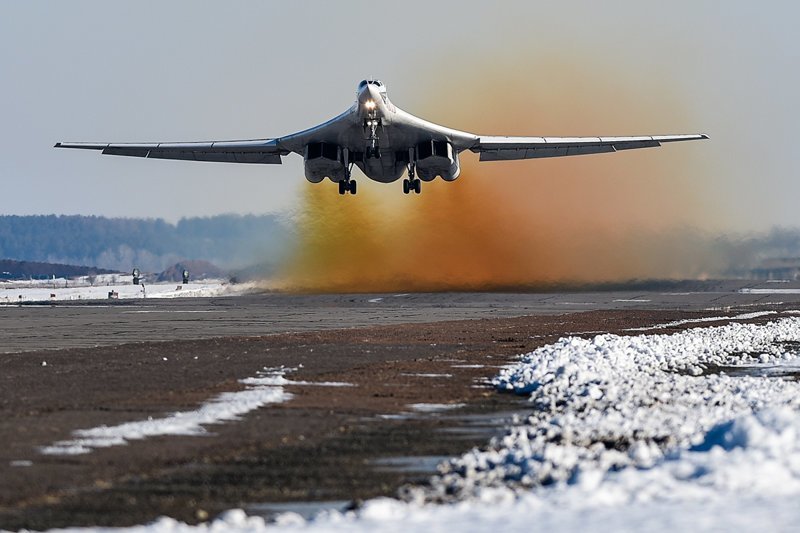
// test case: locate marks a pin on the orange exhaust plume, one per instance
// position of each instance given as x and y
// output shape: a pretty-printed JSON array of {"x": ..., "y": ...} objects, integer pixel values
[{"x": 520, "y": 225}]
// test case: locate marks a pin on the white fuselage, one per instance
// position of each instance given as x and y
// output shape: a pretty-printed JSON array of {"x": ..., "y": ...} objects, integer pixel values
[{"x": 382, "y": 140}]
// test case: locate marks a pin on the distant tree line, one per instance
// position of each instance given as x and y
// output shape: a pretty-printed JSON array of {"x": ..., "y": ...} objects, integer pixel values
[
  {"x": 229, "y": 241},
  {"x": 10, "y": 269}
]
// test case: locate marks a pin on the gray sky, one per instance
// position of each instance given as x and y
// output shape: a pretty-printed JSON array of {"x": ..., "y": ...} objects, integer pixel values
[{"x": 182, "y": 71}]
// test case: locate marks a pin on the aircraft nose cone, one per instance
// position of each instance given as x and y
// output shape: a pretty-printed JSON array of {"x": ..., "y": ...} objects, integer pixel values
[
  {"x": 368, "y": 92},
  {"x": 369, "y": 99}
]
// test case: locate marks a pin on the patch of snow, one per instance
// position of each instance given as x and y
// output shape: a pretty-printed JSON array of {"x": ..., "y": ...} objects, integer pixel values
[
  {"x": 743, "y": 316},
  {"x": 281, "y": 381},
  {"x": 68, "y": 290},
  {"x": 428, "y": 375},
  {"x": 434, "y": 407},
  {"x": 226, "y": 407},
  {"x": 769, "y": 291}
]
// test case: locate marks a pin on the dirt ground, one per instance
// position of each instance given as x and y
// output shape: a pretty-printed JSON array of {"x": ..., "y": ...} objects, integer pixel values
[{"x": 321, "y": 445}]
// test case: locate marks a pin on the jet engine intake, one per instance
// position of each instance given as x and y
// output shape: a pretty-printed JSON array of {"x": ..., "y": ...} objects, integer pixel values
[
  {"x": 437, "y": 158},
  {"x": 324, "y": 160}
]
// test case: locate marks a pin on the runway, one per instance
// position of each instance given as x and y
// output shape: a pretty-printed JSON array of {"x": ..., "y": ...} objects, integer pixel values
[
  {"x": 358, "y": 380},
  {"x": 90, "y": 324}
]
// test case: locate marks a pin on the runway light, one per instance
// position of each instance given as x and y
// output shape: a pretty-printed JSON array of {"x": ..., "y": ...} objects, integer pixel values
[{"x": 370, "y": 104}]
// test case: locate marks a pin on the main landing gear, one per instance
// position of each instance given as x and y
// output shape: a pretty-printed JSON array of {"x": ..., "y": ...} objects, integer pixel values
[
  {"x": 412, "y": 184},
  {"x": 347, "y": 185}
]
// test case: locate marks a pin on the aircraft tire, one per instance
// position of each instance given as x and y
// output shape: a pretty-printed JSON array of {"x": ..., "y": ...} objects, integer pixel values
[
  {"x": 418, "y": 186},
  {"x": 352, "y": 186},
  {"x": 406, "y": 186},
  {"x": 342, "y": 187}
]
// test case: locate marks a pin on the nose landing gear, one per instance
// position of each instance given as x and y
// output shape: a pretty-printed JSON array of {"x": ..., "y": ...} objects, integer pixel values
[{"x": 371, "y": 124}]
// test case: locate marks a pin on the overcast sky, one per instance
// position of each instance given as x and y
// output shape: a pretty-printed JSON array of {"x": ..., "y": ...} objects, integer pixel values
[{"x": 183, "y": 71}]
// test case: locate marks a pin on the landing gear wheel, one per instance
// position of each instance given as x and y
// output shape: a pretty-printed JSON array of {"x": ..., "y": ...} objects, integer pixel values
[
  {"x": 406, "y": 186},
  {"x": 342, "y": 187},
  {"x": 417, "y": 186},
  {"x": 352, "y": 186}
]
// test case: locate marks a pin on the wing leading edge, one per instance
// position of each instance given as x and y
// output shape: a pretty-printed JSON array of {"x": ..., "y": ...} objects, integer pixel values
[
  {"x": 511, "y": 148},
  {"x": 262, "y": 151}
]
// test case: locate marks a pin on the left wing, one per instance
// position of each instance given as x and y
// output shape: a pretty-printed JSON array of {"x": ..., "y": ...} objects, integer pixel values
[
  {"x": 509, "y": 148},
  {"x": 264, "y": 151}
]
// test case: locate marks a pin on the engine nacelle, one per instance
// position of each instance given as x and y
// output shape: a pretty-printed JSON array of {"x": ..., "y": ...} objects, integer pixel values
[
  {"x": 323, "y": 160},
  {"x": 437, "y": 158}
]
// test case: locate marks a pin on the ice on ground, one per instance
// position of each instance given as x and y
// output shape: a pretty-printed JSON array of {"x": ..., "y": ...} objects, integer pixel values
[{"x": 226, "y": 407}]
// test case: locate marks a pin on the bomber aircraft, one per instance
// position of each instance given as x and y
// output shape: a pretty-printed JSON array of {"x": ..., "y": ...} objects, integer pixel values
[{"x": 384, "y": 142}]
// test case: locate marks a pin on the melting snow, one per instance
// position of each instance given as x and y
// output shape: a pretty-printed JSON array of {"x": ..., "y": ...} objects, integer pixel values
[
  {"x": 225, "y": 407},
  {"x": 743, "y": 316},
  {"x": 434, "y": 407}
]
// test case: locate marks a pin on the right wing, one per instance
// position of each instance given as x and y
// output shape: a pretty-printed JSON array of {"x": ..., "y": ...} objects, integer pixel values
[
  {"x": 510, "y": 148},
  {"x": 264, "y": 151}
]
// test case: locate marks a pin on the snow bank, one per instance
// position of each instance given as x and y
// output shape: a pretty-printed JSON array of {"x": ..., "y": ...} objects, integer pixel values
[{"x": 610, "y": 403}]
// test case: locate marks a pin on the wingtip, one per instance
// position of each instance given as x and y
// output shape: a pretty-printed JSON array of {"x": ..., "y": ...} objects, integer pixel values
[
  {"x": 704, "y": 136},
  {"x": 57, "y": 145}
]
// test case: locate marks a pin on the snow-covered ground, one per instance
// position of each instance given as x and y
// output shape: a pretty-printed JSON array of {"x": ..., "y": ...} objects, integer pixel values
[
  {"x": 99, "y": 288},
  {"x": 627, "y": 433}
]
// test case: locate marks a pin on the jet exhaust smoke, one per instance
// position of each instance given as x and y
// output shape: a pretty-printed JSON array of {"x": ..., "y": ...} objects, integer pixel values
[{"x": 522, "y": 225}]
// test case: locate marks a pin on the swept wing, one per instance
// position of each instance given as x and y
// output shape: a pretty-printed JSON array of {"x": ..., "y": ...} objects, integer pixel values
[
  {"x": 264, "y": 151},
  {"x": 510, "y": 148}
]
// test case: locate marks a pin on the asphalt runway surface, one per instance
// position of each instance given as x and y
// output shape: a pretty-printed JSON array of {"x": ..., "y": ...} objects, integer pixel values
[
  {"x": 71, "y": 367},
  {"x": 71, "y": 325}
]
